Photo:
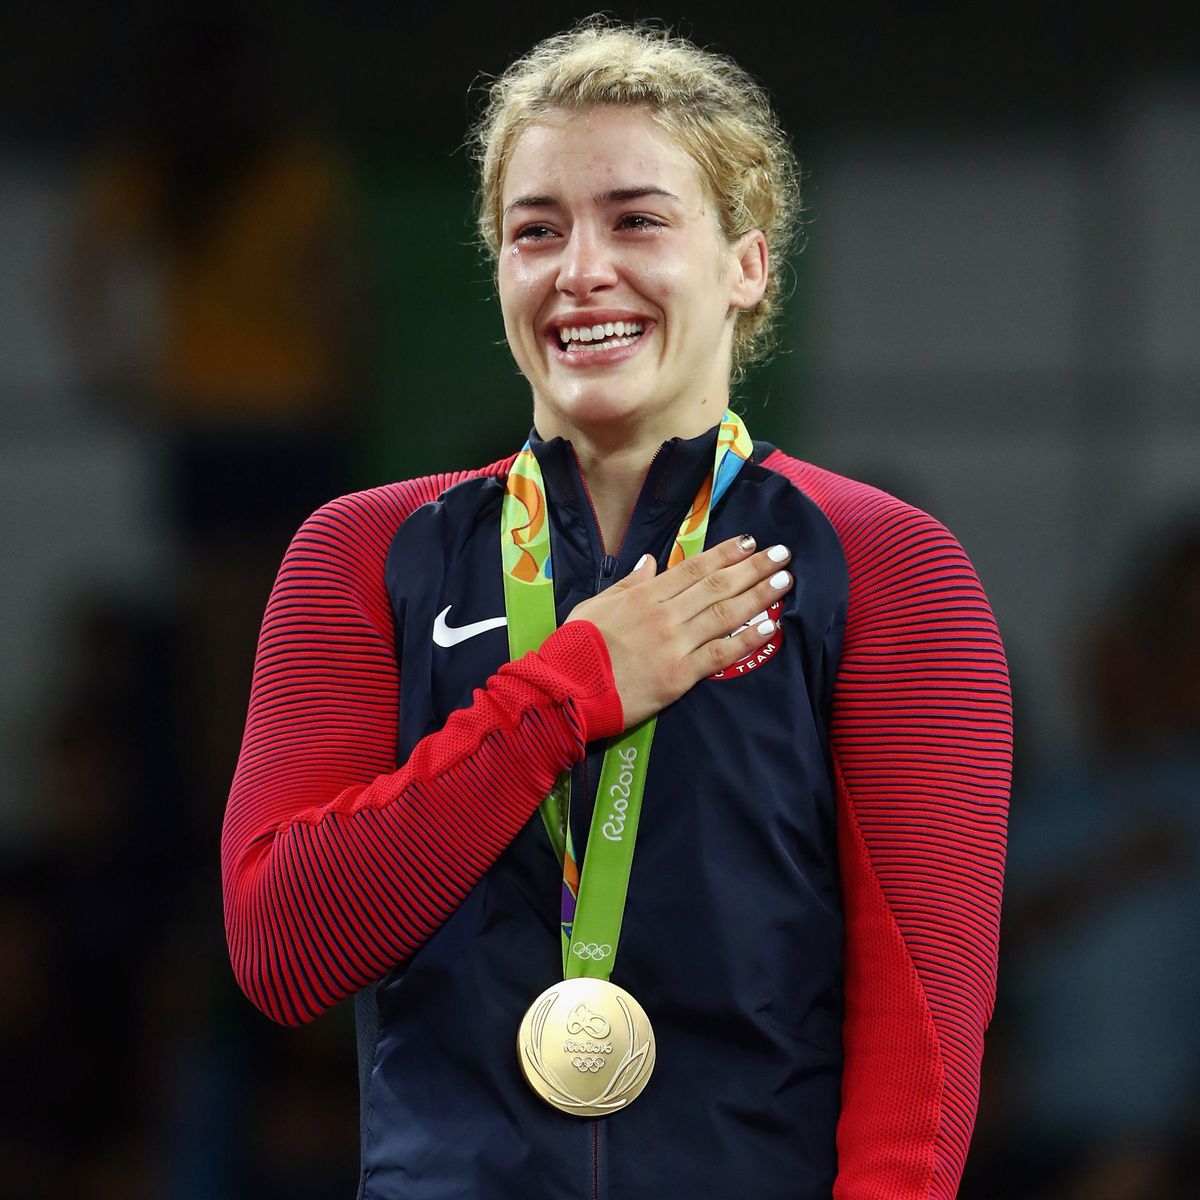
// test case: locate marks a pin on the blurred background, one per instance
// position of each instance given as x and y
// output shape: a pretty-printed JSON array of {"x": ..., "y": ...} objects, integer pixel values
[{"x": 237, "y": 278}]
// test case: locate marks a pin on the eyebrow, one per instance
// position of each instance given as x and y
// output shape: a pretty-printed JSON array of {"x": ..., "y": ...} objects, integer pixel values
[{"x": 616, "y": 196}]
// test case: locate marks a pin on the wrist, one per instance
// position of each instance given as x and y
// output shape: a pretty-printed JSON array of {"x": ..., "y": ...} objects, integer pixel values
[{"x": 578, "y": 655}]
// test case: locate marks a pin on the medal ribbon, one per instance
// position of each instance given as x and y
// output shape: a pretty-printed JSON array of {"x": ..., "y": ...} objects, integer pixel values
[{"x": 593, "y": 906}]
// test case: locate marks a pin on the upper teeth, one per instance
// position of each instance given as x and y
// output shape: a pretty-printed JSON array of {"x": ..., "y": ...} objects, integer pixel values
[{"x": 593, "y": 333}]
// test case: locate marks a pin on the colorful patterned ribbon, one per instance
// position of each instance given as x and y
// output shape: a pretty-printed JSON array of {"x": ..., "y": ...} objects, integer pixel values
[{"x": 593, "y": 906}]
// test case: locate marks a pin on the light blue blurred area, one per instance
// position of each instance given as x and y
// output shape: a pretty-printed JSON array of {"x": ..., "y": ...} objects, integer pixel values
[{"x": 1107, "y": 1044}]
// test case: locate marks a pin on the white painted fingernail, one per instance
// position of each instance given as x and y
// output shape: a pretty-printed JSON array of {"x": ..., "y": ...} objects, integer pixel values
[
  {"x": 641, "y": 561},
  {"x": 766, "y": 628},
  {"x": 780, "y": 579},
  {"x": 777, "y": 553}
]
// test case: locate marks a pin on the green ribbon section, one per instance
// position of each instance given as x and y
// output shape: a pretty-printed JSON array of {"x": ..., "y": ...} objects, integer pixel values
[
  {"x": 593, "y": 906},
  {"x": 600, "y": 911},
  {"x": 529, "y": 606}
]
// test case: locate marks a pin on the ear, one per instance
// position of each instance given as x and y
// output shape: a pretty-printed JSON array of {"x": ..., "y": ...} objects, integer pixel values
[{"x": 750, "y": 270}]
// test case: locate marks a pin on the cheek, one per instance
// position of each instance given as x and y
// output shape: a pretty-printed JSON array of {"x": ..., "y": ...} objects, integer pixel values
[
  {"x": 659, "y": 280},
  {"x": 519, "y": 308},
  {"x": 511, "y": 306},
  {"x": 518, "y": 283},
  {"x": 690, "y": 272}
]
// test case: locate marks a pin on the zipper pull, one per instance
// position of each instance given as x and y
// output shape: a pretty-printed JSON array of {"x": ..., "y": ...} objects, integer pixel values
[{"x": 608, "y": 569}]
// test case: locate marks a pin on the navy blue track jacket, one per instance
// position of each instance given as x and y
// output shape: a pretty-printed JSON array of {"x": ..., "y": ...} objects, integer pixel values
[{"x": 812, "y": 915}]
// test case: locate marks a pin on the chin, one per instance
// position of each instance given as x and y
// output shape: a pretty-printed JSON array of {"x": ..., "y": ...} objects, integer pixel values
[{"x": 596, "y": 404}]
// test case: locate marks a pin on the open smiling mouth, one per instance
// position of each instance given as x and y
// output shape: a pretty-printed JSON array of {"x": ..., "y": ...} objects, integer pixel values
[{"x": 588, "y": 339}]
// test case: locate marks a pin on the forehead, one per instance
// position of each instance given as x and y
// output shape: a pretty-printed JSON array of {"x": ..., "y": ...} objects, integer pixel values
[{"x": 579, "y": 153}]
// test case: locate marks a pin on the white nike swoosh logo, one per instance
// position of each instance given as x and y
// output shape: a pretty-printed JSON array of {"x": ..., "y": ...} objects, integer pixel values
[{"x": 443, "y": 635}]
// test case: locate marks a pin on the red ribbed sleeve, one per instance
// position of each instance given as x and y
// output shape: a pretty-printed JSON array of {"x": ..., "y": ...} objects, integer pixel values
[
  {"x": 922, "y": 747},
  {"x": 337, "y": 862}
]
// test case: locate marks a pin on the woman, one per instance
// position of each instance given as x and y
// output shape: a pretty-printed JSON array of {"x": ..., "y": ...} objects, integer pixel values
[{"x": 809, "y": 924}]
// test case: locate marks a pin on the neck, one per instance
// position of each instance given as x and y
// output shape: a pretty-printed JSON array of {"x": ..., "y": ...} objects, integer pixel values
[
  {"x": 614, "y": 477},
  {"x": 614, "y": 462}
]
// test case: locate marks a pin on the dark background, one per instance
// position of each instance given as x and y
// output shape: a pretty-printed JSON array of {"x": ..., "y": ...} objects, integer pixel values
[{"x": 237, "y": 277}]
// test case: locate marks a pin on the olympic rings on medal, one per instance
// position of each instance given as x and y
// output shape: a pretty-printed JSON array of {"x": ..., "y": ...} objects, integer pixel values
[
  {"x": 591, "y": 950},
  {"x": 587, "y": 1062}
]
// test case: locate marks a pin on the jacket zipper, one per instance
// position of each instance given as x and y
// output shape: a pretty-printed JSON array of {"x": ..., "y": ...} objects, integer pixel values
[
  {"x": 608, "y": 568},
  {"x": 595, "y": 1123},
  {"x": 608, "y": 562}
]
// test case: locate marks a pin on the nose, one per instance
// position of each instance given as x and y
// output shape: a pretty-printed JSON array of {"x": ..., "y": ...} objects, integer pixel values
[{"x": 587, "y": 263}]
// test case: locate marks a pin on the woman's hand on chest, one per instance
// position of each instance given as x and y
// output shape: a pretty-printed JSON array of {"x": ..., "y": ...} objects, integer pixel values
[{"x": 666, "y": 632}]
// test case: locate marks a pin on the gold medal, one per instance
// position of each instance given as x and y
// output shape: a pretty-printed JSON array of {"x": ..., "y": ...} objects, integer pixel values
[{"x": 586, "y": 1047}]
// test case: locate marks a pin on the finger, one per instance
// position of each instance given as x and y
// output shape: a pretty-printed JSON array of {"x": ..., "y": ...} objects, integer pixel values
[
  {"x": 645, "y": 568},
  {"x": 722, "y": 586},
  {"x": 725, "y": 615},
  {"x": 643, "y": 571},
  {"x": 689, "y": 572},
  {"x": 716, "y": 655}
]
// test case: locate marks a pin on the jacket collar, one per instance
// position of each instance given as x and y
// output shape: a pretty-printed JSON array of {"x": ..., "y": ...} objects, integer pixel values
[{"x": 672, "y": 479}]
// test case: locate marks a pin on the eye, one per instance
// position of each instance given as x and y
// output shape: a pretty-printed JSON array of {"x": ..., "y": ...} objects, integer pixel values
[
  {"x": 639, "y": 221},
  {"x": 533, "y": 233}
]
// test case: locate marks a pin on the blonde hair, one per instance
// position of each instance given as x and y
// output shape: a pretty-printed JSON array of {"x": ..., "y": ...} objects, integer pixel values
[{"x": 720, "y": 115}]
